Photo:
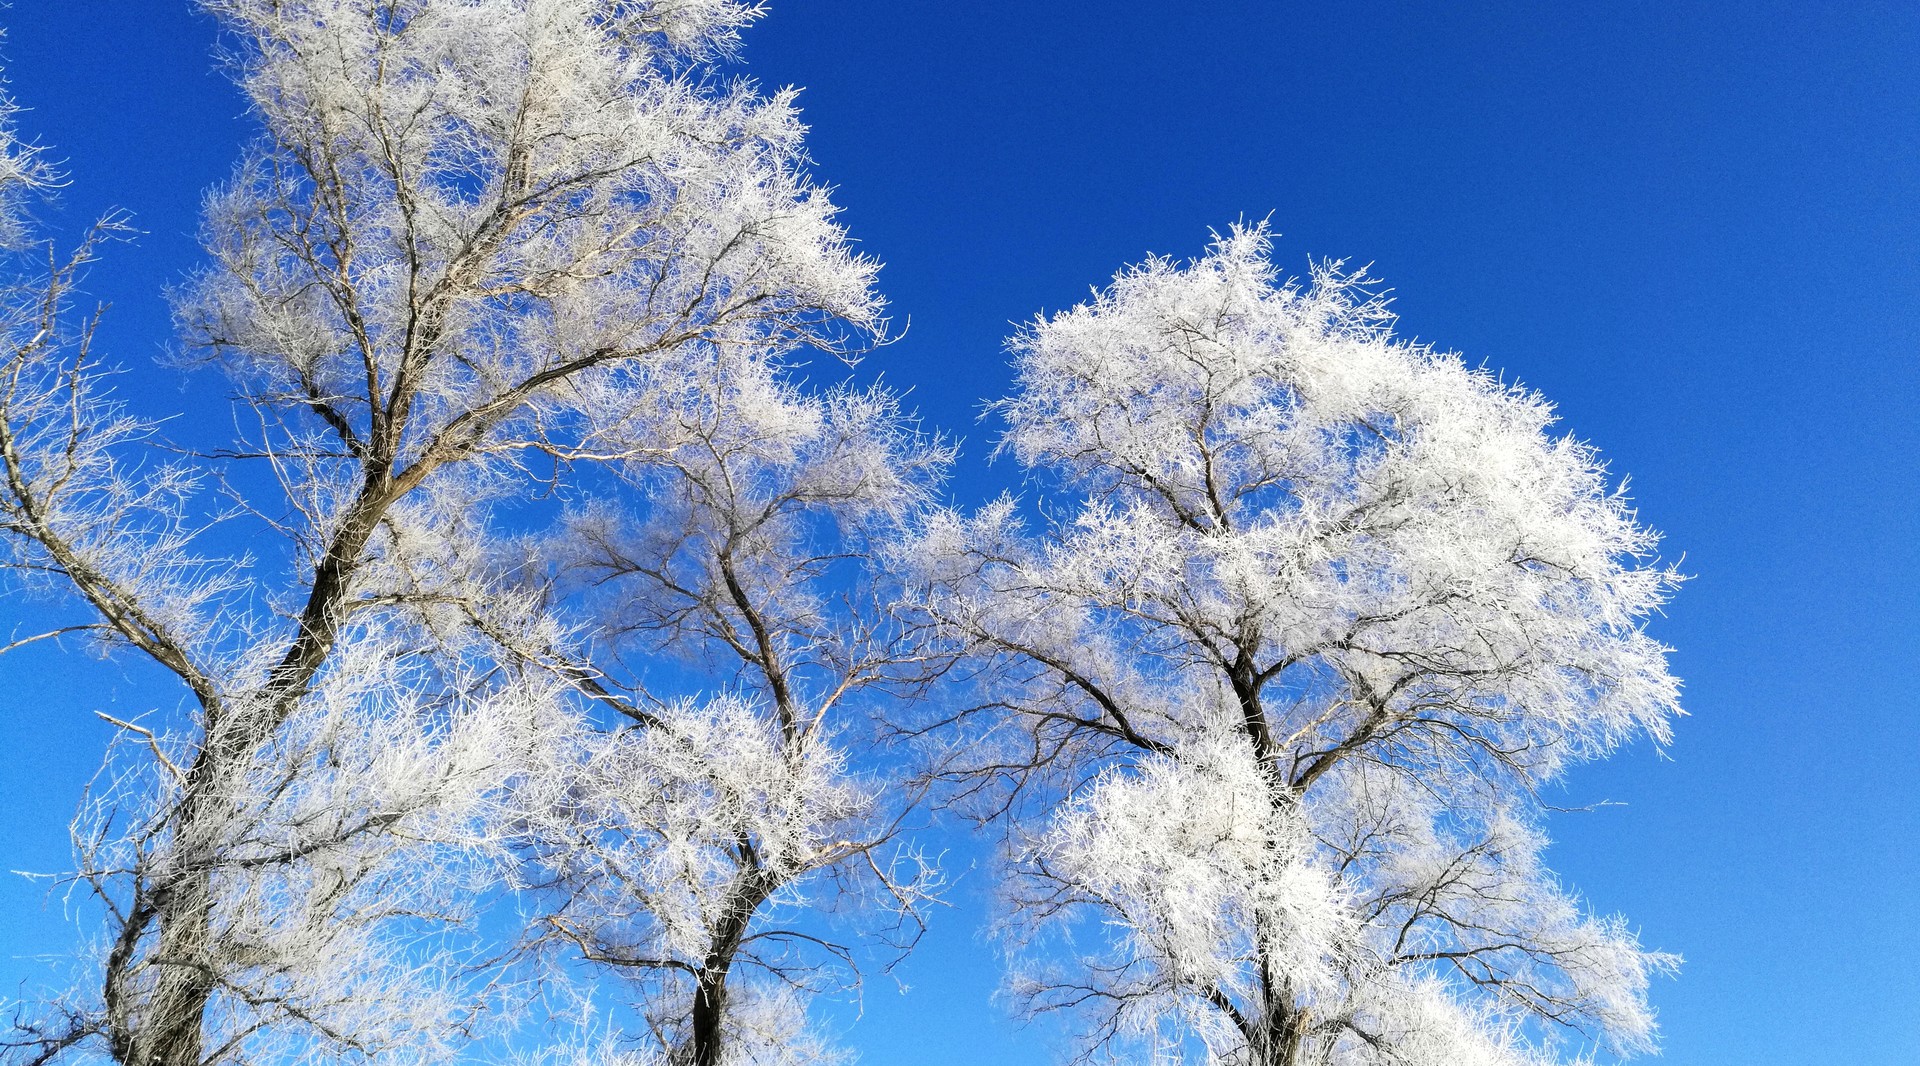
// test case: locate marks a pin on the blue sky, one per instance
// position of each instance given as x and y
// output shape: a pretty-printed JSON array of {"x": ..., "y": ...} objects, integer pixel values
[{"x": 1692, "y": 226}]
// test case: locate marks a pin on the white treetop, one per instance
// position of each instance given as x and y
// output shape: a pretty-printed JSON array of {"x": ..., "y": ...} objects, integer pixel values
[
  {"x": 469, "y": 260},
  {"x": 1316, "y": 614},
  {"x": 563, "y": 587},
  {"x": 692, "y": 849}
]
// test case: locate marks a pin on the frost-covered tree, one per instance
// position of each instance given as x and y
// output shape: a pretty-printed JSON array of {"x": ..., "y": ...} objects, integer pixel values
[
  {"x": 692, "y": 848},
  {"x": 472, "y": 251},
  {"x": 1278, "y": 680}
]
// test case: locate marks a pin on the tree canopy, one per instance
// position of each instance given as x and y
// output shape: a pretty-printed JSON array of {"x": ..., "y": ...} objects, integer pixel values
[{"x": 571, "y": 648}]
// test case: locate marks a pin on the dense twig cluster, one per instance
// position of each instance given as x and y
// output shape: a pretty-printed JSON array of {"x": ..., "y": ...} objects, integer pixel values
[
  {"x": 1273, "y": 689},
  {"x": 540, "y": 714}
]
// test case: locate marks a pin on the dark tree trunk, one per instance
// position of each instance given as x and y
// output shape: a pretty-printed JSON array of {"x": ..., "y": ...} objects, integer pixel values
[
  {"x": 707, "y": 1032},
  {"x": 1282, "y": 1040},
  {"x": 171, "y": 1035},
  {"x": 165, "y": 1026},
  {"x": 709, "y": 1008}
]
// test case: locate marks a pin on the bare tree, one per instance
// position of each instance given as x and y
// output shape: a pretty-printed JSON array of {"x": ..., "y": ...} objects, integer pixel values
[
  {"x": 1314, "y": 615},
  {"x": 473, "y": 238}
]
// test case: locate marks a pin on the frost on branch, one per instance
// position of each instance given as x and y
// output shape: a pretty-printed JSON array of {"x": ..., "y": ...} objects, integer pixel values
[
  {"x": 455, "y": 282},
  {"x": 1321, "y": 613},
  {"x": 1189, "y": 857},
  {"x": 23, "y": 175},
  {"x": 341, "y": 864},
  {"x": 718, "y": 849},
  {"x": 511, "y": 206},
  {"x": 645, "y": 828}
]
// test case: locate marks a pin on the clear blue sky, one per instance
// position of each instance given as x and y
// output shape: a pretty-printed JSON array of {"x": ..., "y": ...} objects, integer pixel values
[{"x": 1693, "y": 226}]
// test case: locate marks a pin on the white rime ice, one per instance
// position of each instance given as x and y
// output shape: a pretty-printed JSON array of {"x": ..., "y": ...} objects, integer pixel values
[
  {"x": 1272, "y": 688},
  {"x": 542, "y": 715},
  {"x": 483, "y": 262}
]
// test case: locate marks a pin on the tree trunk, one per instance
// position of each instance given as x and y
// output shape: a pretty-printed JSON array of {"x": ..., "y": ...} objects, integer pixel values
[
  {"x": 167, "y": 1029},
  {"x": 1282, "y": 1039},
  {"x": 162, "y": 1025},
  {"x": 709, "y": 1008},
  {"x": 171, "y": 1032},
  {"x": 707, "y": 1032}
]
